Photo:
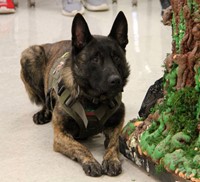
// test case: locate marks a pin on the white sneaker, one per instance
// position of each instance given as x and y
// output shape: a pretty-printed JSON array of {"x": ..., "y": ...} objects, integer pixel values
[
  {"x": 71, "y": 8},
  {"x": 96, "y": 5}
]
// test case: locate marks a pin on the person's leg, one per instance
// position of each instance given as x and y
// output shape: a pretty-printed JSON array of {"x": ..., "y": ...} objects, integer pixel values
[
  {"x": 7, "y": 6},
  {"x": 72, "y": 7},
  {"x": 96, "y": 5}
]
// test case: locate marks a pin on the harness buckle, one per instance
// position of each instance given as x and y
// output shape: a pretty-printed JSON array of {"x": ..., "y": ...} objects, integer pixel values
[
  {"x": 69, "y": 102},
  {"x": 60, "y": 89},
  {"x": 112, "y": 104}
]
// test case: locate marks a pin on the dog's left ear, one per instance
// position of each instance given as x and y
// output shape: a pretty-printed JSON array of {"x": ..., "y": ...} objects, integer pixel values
[
  {"x": 119, "y": 30},
  {"x": 80, "y": 33}
]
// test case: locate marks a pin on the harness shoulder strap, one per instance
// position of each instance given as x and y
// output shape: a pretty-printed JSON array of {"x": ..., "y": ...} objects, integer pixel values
[
  {"x": 55, "y": 72},
  {"x": 74, "y": 109}
]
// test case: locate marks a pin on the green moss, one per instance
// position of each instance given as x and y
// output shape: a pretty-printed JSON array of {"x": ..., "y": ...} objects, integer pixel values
[
  {"x": 189, "y": 3},
  {"x": 195, "y": 6},
  {"x": 197, "y": 88},
  {"x": 178, "y": 110},
  {"x": 162, "y": 147},
  {"x": 129, "y": 128},
  {"x": 198, "y": 110},
  {"x": 174, "y": 32},
  {"x": 183, "y": 103},
  {"x": 173, "y": 139},
  {"x": 170, "y": 79},
  {"x": 197, "y": 79},
  {"x": 160, "y": 168},
  {"x": 182, "y": 28},
  {"x": 182, "y": 107},
  {"x": 177, "y": 35},
  {"x": 171, "y": 160}
]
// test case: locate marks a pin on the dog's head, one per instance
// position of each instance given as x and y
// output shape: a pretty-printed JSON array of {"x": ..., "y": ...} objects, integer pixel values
[{"x": 99, "y": 64}]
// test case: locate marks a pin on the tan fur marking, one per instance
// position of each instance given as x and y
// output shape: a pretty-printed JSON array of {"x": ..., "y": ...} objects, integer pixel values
[{"x": 112, "y": 152}]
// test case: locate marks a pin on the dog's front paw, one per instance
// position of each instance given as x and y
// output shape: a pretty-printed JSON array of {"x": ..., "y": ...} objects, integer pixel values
[
  {"x": 112, "y": 167},
  {"x": 92, "y": 168},
  {"x": 41, "y": 117}
]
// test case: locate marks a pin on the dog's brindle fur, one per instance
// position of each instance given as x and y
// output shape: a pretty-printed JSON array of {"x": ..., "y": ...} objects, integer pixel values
[{"x": 97, "y": 65}]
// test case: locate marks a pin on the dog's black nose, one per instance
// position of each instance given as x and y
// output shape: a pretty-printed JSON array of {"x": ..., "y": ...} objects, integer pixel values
[{"x": 114, "y": 81}]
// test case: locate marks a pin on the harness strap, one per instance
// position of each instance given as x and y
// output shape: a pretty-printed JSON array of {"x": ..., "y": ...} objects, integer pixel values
[
  {"x": 66, "y": 100},
  {"x": 104, "y": 112},
  {"x": 75, "y": 111},
  {"x": 55, "y": 72}
]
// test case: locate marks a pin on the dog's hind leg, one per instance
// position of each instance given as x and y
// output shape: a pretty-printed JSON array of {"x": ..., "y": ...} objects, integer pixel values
[{"x": 33, "y": 65}]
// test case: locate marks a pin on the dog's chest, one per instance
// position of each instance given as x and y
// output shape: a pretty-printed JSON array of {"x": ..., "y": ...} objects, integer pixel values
[{"x": 90, "y": 117}]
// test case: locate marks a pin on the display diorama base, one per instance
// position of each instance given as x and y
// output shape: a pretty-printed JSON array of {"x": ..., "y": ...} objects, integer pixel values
[
  {"x": 165, "y": 138},
  {"x": 148, "y": 166}
]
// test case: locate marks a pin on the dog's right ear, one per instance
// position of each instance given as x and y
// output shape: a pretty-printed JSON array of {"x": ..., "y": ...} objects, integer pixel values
[
  {"x": 119, "y": 30},
  {"x": 80, "y": 33}
]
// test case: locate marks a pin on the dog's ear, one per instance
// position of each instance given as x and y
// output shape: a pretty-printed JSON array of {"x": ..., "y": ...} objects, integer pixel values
[
  {"x": 80, "y": 33},
  {"x": 119, "y": 30}
]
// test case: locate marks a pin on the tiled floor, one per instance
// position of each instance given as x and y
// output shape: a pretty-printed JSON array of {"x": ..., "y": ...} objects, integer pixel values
[{"x": 26, "y": 153}]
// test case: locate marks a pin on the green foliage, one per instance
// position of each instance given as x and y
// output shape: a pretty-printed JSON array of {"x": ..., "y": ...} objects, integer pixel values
[
  {"x": 174, "y": 32},
  {"x": 182, "y": 106},
  {"x": 182, "y": 28},
  {"x": 128, "y": 129},
  {"x": 173, "y": 139},
  {"x": 195, "y": 6},
  {"x": 177, "y": 35},
  {"x": 197, "y": 79},
  {"x": 170, "y": 79},
  {"x": 189, "y": 2},
  {"x": 160, "y": 168}
]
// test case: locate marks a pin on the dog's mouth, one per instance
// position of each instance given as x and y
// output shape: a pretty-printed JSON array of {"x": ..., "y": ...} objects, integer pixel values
[
  {"x": 110, "y": 90},
  {"x": 99, "y": 95},
  {"x": 101, "y": 91}
]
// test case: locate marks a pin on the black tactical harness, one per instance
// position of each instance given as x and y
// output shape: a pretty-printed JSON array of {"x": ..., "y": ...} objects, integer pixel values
[{"x": 90, "y": 121}]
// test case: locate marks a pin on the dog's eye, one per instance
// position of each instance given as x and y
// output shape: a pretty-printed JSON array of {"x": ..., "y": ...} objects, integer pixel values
[
  {"x": 96, "y": 60},
  {"x": 116, "y": 59}
]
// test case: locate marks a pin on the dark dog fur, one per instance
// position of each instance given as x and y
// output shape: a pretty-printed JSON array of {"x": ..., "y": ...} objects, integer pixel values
[{"x": 98, "y": 67}]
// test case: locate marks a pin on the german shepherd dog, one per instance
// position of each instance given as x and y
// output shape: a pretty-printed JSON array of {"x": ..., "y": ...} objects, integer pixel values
[{"x": 79, "y": 83}]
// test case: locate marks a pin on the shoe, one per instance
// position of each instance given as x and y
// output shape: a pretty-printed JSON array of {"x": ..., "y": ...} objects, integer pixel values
[
  {"x": 96, "y": 5},
  {"x": 7, "y": 6},
  {"x": 71, "y": 8}
]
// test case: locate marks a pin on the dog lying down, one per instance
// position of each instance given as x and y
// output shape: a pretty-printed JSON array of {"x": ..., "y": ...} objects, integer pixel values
[{"x": 79, "y": 85}]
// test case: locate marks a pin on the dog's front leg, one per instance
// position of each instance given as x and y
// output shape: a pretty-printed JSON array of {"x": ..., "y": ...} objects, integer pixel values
[
  {"x": 111, "y": 163},
  {"x": 65, "y": 144}
]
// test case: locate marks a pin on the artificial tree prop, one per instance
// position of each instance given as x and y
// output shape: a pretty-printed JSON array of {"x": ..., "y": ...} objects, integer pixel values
[{"x": 169, "y": 136}]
